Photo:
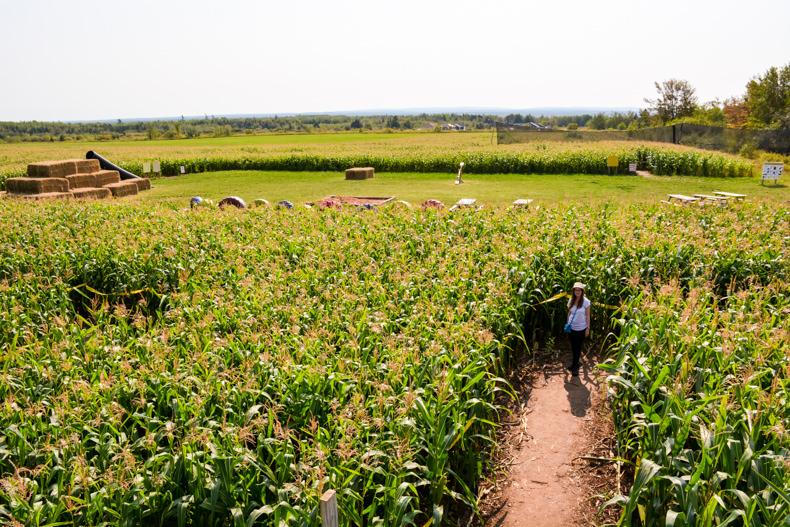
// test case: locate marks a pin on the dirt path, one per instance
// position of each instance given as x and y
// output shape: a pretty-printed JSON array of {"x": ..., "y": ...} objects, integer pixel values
[{"x": 548, "y": 483}]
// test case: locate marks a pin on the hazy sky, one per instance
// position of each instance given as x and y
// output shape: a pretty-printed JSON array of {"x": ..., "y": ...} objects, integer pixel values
[{"x": 109, "y": 59}]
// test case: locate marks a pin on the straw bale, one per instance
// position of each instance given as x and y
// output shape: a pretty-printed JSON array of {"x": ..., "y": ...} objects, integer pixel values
[
  {"x": 122, "y": 188},
  {"x": 359, "y": 173},
  {"x": 91, "y": 193},
  {"x": 81, "y": 181},
  {"x": 143, "y": 183},
  {"x": 36, "y": 185},
  {"x": 54, "y": 196},
  {"x": 87, "y": 166},
  {"x": 105, "y": 177},
  {"x": 57, "y": 169}
]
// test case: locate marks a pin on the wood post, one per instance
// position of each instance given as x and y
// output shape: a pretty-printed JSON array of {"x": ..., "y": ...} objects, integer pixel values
[{"x": 329, "y": 509}]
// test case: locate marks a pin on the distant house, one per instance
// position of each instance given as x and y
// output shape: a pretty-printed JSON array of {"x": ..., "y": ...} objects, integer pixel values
[{"x": 445, "y": 127}]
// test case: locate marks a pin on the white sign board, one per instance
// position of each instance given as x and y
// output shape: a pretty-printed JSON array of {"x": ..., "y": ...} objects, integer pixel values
[
  {"x": 183, "y": 170},
  {"x": 632, "y": 167},
  {"x": 156, "y": 167},
  {"x": 772, "y": 170},
  {"x": 146, "y": 167}
]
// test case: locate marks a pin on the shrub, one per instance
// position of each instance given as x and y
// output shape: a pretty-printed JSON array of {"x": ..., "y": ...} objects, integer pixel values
[{"x": 748, "y": 150}]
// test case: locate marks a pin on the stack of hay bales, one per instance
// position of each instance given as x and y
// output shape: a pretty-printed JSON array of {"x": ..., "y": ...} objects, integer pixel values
[
  {"x": 72, "y": 179},
  {"x": 359, "y": 173}
]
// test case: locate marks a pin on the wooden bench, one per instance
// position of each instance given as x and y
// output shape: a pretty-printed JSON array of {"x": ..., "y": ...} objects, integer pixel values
[
  {"x": 721, "y": 201},
  {"x": 737, "y": 197},
  {"x": 522, "y": 203},
  {"x": 682, "y": 199}
]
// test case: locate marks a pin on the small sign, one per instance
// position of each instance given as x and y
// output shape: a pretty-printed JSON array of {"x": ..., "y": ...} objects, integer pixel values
[
  {"x": 156, "y": 167},
  {"x": 772, "y": 170},
  {"x": 632, "y": 167},
  {"x": 612, "y": 161},
  {"x": 146, "y": 167},
  {"x": 183, "y": 170}
]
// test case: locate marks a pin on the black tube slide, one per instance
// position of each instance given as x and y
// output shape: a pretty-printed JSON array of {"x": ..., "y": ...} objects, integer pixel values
[{"x": 106, "y": 165}]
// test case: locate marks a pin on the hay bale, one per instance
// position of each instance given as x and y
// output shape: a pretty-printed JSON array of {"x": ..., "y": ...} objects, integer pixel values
[
  {"x": 36, "y": 185},
  {"x": 106, "y": 177},
  {"x": 56, "y": 169},
  {"x": 143, "y": 183},
  {"x": 87, "y": 166},
  {"x": 81, "y": 181},
  {"x": 91, "y": 193},
  {"x": 53, "y": 196},
  {"x": 122, "y": 188},
  {"x": 359, "y": 173}
]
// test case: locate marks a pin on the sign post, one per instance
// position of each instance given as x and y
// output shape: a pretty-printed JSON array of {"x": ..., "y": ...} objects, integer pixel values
[
  {"x": 612, "y": 162},
  {"x": 328, "y": 508}
]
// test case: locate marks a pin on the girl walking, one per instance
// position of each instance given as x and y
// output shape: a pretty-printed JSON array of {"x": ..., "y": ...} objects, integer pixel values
[{"x": 579, "y": 320}]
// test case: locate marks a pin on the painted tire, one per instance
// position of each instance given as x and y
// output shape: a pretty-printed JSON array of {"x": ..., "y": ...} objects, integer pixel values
[
  {"x": 433, "y": 204},
  {"x": 233, "y": 200},
  {"x": 327, "y": 204}
]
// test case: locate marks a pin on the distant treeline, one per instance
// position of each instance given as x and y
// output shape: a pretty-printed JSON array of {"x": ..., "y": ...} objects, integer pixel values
[
  {"x": 210, "y": 126},
  {"x": 225, "y": 126}
]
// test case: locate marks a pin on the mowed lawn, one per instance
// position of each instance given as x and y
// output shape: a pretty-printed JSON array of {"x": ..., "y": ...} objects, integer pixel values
[{"x": 493, "y": 189}]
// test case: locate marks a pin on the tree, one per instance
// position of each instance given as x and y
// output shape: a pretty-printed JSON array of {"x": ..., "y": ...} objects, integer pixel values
[
  {"x": 736, "y": 112},
  {"x": 676, "y": 99},
  {"x": 710, "y": 114},
  {"x": 597, "y": 123},
  {"x": 768, "y": 99},
  {"x": 356, "y": 123}
]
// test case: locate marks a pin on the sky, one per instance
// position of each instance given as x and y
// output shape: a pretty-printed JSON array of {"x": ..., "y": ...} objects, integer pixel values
[{"x": 65, "y": 60}]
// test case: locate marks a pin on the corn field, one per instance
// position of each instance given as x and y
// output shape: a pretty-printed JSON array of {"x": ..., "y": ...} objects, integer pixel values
[
  {"x": 201, "y": 367},
  {"x": 400, "y": 155}
]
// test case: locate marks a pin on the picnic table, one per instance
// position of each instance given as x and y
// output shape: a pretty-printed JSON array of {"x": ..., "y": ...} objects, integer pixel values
[
  {"x": 739, "y": 197},
  {"x": 682, "y": 199},
  {"x": 466, "y": 202},
  {"x": 523, "y": 203},
  {"x": 721, "y": 201}
]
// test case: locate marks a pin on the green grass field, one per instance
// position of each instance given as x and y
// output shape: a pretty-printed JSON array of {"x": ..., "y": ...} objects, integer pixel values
[{"x": 497, "y": 190}]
